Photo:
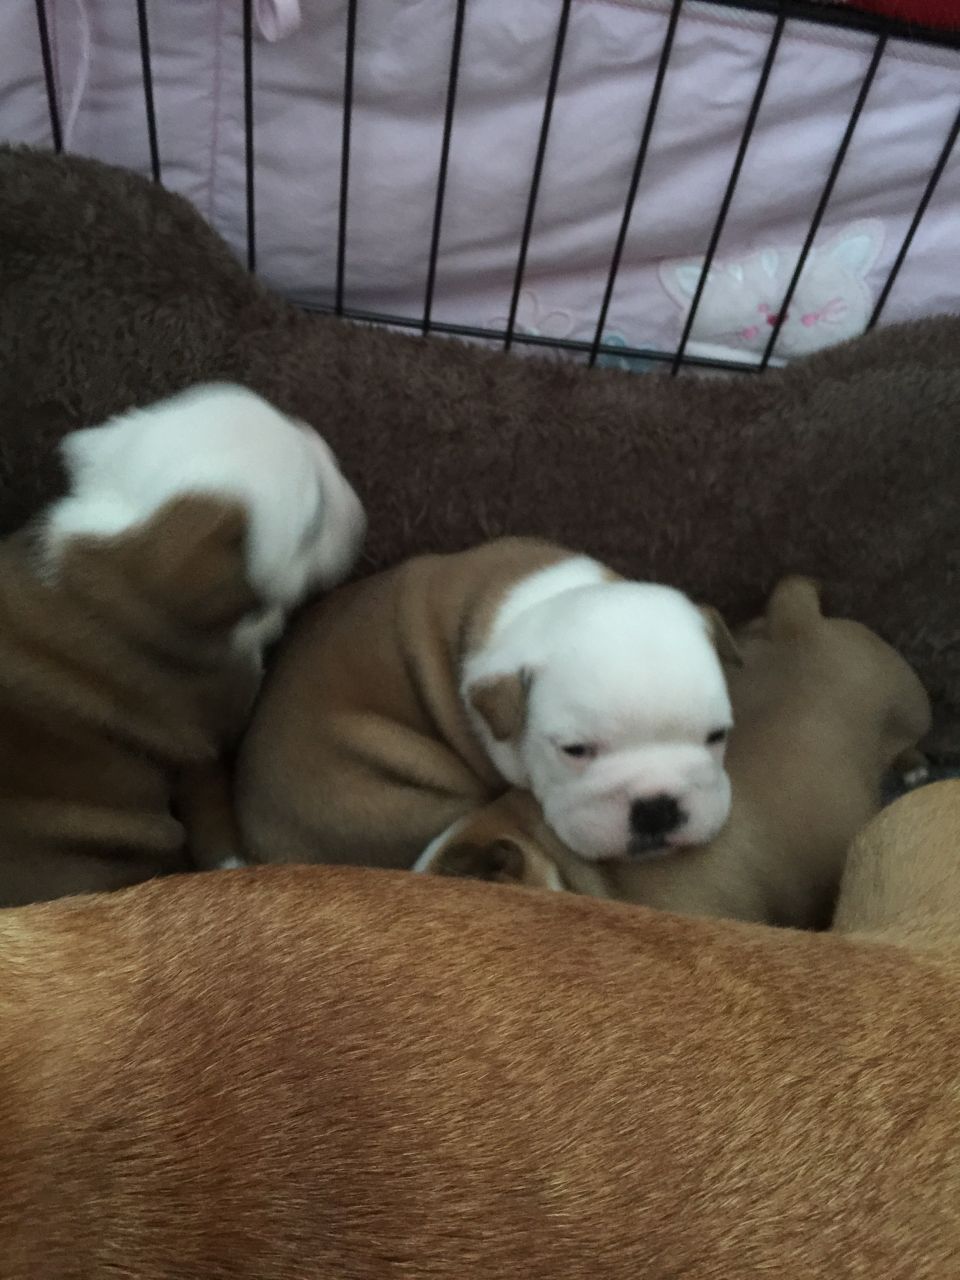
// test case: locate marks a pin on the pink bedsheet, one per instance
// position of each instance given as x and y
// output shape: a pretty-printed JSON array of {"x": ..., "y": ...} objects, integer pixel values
[{"x": 612, "y": 48}]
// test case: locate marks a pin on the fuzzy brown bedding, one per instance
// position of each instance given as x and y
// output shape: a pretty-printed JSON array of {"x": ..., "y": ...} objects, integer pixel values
[{"x": 845, "y": 465}]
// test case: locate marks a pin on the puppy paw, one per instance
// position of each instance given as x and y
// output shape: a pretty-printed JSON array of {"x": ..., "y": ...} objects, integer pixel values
[
  {"x": 917, "y": 776},
  {"x": 913, "y": 767}
]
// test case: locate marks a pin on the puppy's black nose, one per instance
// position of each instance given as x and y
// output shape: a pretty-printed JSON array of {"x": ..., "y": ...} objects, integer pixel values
[{"x": 654, "y": 817}]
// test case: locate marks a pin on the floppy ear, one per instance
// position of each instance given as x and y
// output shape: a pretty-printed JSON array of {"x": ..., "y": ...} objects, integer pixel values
[
  {"x": 190, "y": 559},
  {"x": 721, "y": 636},
  {"x": 503, "y": 861},
  {"x": 794, "y": 605},
  {"x": 502, "y": 702}
]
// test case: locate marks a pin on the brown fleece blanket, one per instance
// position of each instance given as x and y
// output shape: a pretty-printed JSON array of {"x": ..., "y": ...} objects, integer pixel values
[{"x": 845, "y": 466}]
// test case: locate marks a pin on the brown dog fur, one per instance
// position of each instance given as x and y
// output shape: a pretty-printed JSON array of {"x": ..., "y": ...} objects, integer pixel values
[
  {"x": 843, "y": 466},
  {"x": 119, "y": 692},
  {"x": 335, "y": 1074},
  {"x": 822, "y": 710},
  {"x": 901, "y": 877}
]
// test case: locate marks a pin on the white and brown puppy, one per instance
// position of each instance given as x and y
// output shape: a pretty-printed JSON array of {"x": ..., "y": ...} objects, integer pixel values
[
  {"x": 304, "y": 522},
  {"x": 402, "y": 702},
  {"x": 823, "y": 709},
  {"x": 132, "y": 618}
]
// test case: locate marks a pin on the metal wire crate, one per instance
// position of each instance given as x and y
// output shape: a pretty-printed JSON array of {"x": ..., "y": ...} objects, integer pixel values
[{"x": 883, "y": 33}]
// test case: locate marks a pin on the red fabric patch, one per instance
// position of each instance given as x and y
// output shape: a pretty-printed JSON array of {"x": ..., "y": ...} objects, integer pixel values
[{"x": 927, "y": 13}]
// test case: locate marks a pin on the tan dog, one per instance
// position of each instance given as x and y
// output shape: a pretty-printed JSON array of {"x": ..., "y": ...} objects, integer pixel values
[
  {"x": 406, "y": 700},
  {"x": 133, "y": 618},
  {"x": 336, "y": 1074},
  {"x": 901, "y": 882},
  {"x": 823, "y": 709}
]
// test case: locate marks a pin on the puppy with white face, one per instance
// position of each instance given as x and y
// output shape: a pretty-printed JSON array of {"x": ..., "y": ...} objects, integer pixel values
[
  {"x": 608, "y": 701},
  {"x": 824, "y": 708},
  {"x": 305, "y": 523},
  {"x": 402, "y": 702}
]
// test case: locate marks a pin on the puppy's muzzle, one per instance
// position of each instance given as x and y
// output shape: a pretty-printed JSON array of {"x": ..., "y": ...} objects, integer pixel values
[{"x": 651, "y": 821}]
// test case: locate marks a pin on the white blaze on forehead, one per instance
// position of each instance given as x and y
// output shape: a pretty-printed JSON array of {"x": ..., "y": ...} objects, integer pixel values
[{"x": 630, "y": 658}]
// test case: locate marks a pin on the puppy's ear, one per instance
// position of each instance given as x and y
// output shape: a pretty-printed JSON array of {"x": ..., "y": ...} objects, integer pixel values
[
  {"x": 190, "y": 560},
  {"x": 721, "y": 636},
  {"x": 503, "y": 861},
  {"x": 794, "y": 605},
  {"x": 502, "y": 703}
]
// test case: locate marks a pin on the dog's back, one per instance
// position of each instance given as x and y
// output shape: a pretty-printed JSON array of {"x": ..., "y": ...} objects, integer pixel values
[{"x": 332, "y": 1073}]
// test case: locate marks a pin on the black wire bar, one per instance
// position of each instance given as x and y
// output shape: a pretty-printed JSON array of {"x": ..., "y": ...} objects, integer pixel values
[
  {"x": 925, "y": 199},
  {"x": 738, "y": 160},
  {"x": 574, "y": 345},
  {"x": 248, "y": 132},
  {"x": 444, "y": 158},
  {"x": 147, "y": 68},
  {"x": 878, "y": 51},
  {"x": 349, "y": 58},
  {"x": 537, "y": 171},
  {"x": 43, "y": 30},
  {"x": 635, "y": 178}
]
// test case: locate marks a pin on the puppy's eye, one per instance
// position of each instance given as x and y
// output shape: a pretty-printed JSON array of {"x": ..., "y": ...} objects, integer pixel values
[
  {"x": 580, "y": 750},
  {"x": 718, "y": 735}
]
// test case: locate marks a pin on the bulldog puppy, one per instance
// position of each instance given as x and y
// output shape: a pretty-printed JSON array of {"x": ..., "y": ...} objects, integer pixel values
[
  {"x": 402, "y": 702},
  {"x": 133, "y": 618},
  {"x": 309, "y": 1073},
  {"x": 823, "y": 708},
  {"x": 305, "y": 522}
]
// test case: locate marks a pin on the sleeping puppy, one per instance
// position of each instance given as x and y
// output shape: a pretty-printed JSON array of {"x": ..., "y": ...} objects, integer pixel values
[
  {"x": 134, "y": 614},
  {"x": 823, "y": 709},
  {"x": 404, "y": 701}
]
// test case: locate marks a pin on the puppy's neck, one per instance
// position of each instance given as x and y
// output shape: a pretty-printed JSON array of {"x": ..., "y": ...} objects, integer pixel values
[
  {"x": 503, "y": 623},
  {"x": 522, "y": 605},
  {"x": 502, "y": 580}
]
